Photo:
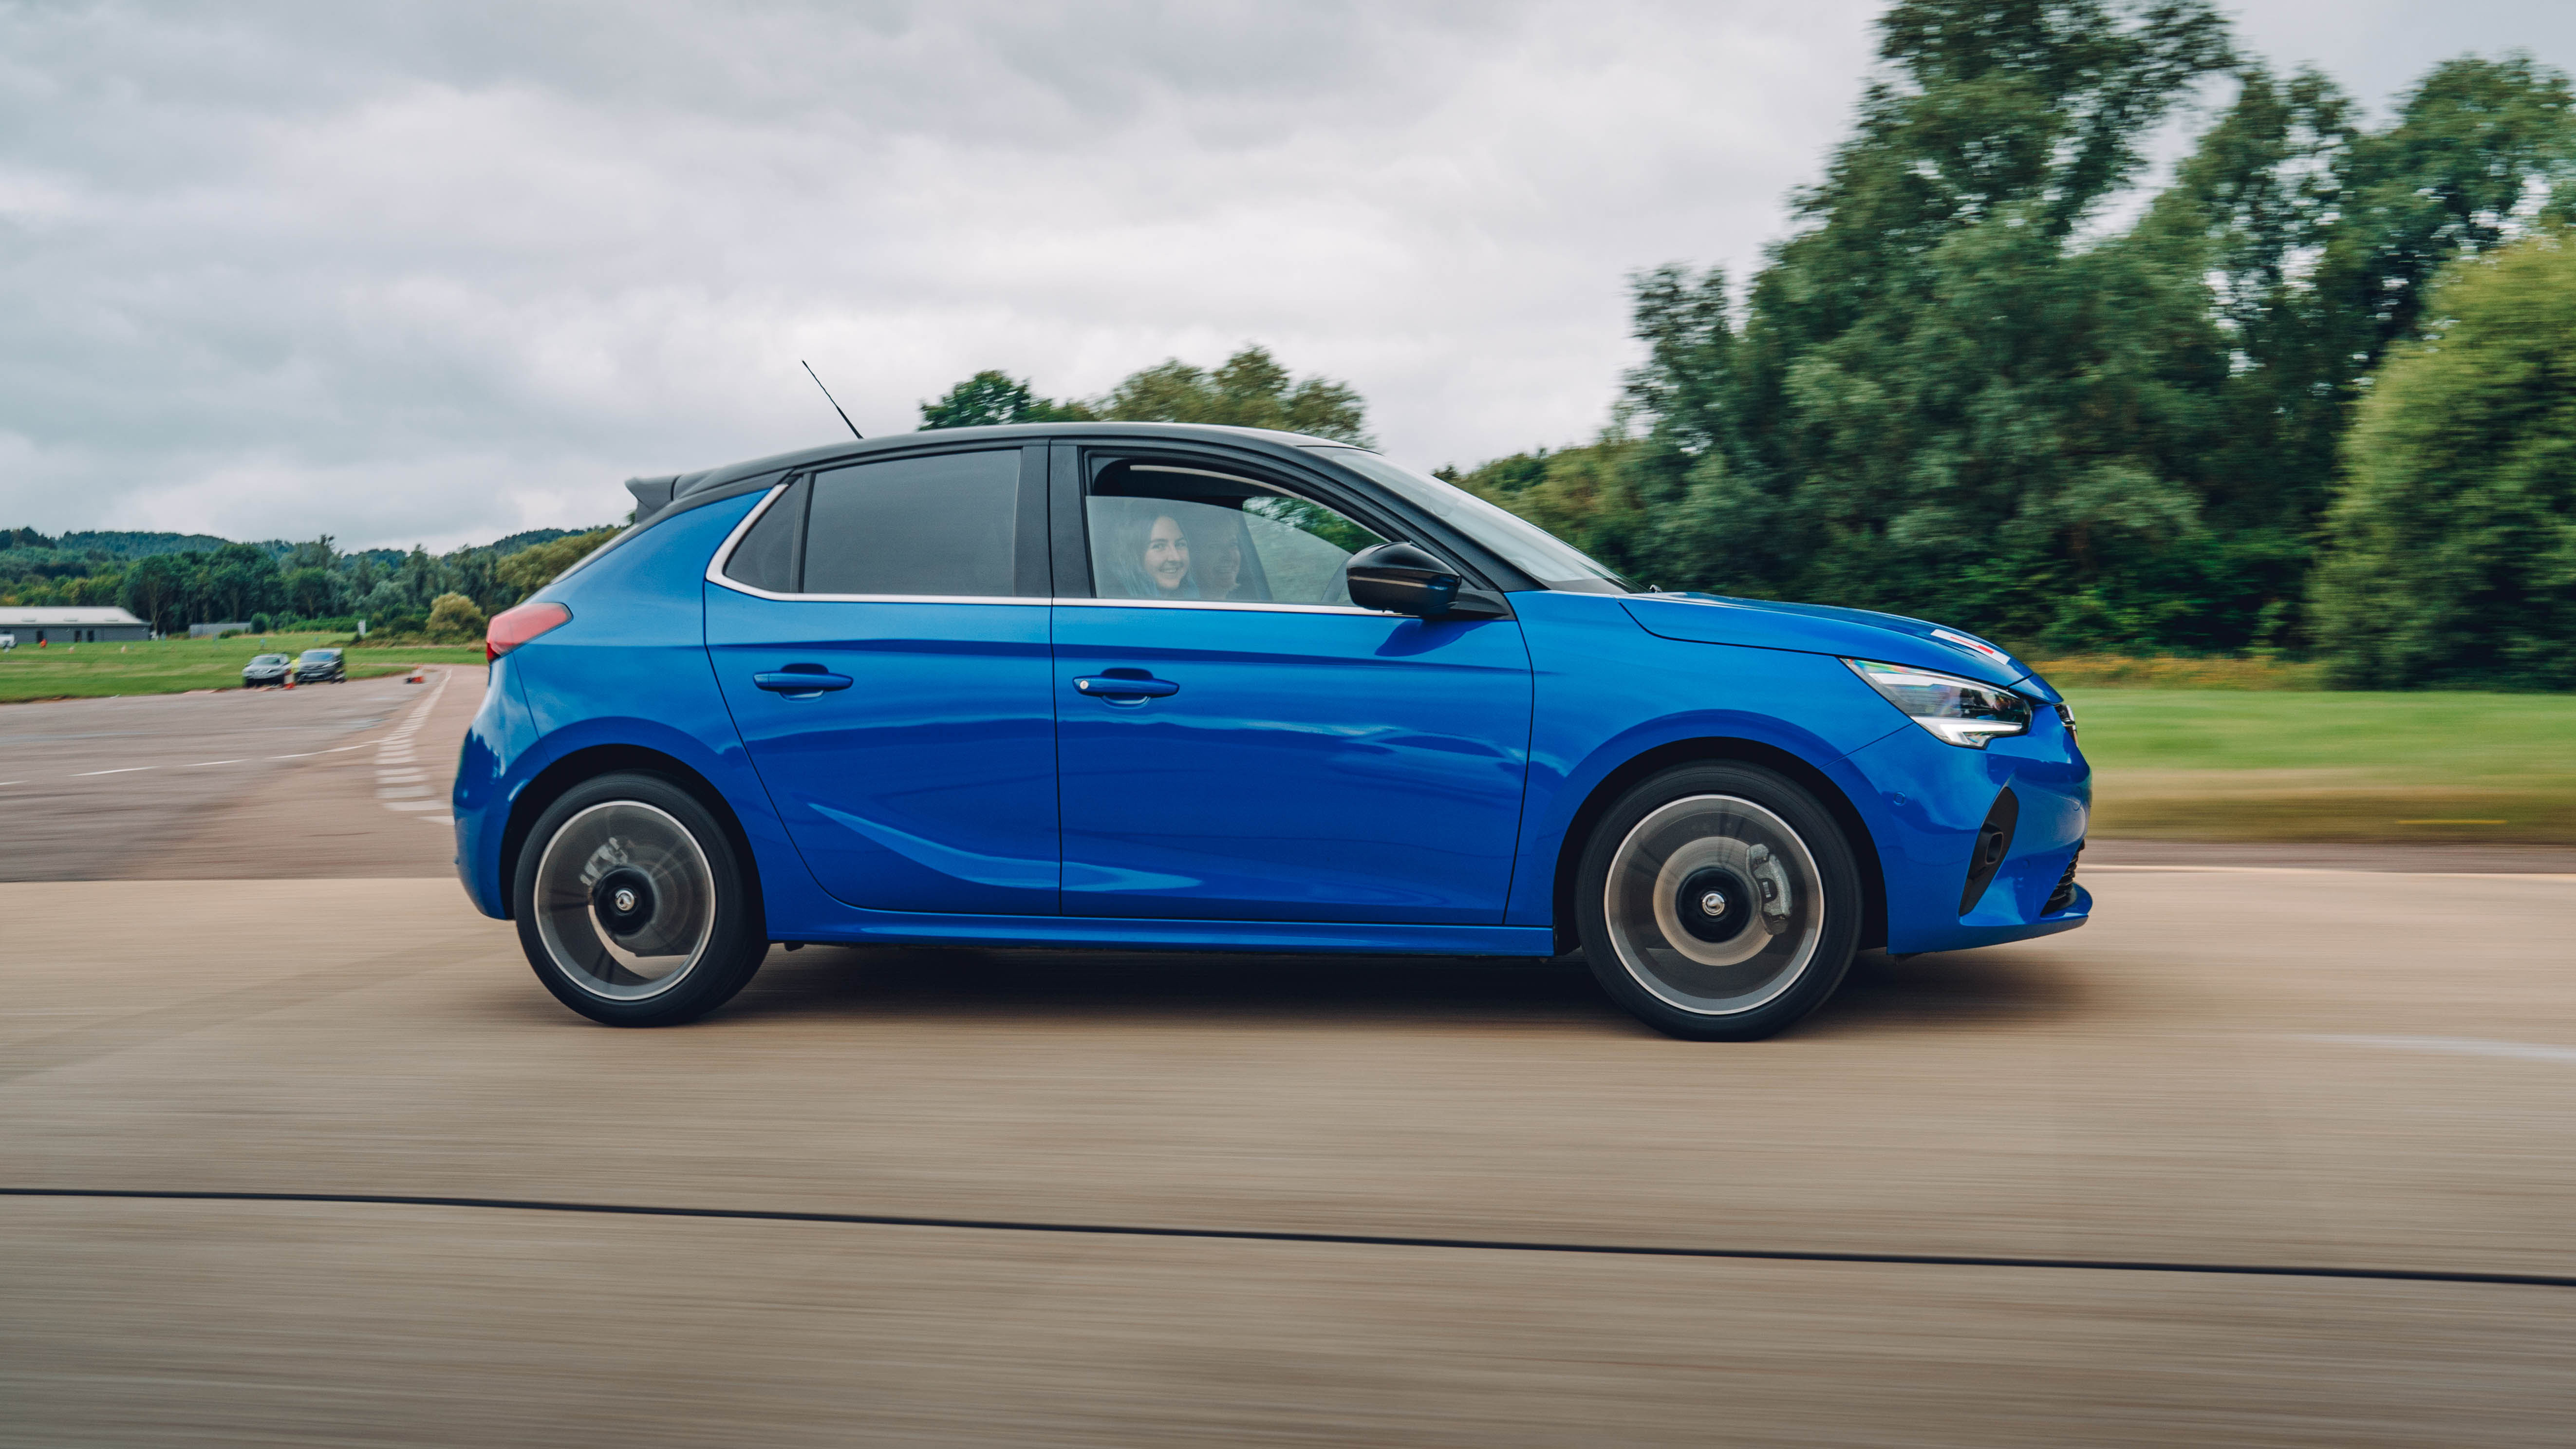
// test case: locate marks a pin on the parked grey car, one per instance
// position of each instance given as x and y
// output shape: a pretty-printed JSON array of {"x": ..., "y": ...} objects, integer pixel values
[
  {"x": 265, "y": 669},
  {"x": 320, "y": 666}
]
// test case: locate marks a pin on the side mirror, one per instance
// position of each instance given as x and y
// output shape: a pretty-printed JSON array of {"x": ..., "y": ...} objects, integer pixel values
[{"x": 1401, "y": 579}]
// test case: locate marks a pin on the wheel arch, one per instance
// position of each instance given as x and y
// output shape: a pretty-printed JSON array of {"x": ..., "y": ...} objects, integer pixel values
[
  {"x": 1712, "y": 750},
  {"x": 551, "y": 783}
]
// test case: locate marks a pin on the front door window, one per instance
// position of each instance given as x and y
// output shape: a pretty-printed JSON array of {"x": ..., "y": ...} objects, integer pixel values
[{"x": 1171, "y": 534}]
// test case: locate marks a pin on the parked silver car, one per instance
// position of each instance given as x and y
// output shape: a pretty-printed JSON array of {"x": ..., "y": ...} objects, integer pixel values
[{"x": 266, "y": 669}]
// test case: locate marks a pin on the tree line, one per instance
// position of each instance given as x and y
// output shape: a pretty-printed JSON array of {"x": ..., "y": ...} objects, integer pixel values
[{"x": 286, "y": 585}]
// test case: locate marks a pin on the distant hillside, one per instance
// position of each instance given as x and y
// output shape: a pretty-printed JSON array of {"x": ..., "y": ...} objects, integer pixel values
[
  {"x": 126, "y": 544},
  {"x": 533, "y": 537}
]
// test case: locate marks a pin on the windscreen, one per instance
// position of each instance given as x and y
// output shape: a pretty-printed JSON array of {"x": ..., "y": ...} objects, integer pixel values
[{"x": 1522, "y": 544}]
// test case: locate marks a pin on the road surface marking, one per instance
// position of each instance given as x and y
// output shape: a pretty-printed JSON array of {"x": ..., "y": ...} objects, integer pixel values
[
  {"x": 2466, "y": 1046},
  {"x": 308, "y": 754},
  {"x": 201, "y": 764},
  {"x": 127, "y": 770},
  {"x": 2343, "y": 870}
]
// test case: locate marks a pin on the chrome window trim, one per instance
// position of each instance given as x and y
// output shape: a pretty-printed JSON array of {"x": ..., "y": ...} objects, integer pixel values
[
  {"x": 733, "y": 540},
  {"x": 1247, "y": 606},
  {"x": 724, "y": 555}
]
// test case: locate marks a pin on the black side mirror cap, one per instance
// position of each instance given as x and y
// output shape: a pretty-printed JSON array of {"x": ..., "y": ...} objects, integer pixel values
[{"x": 1400, "y": 578}]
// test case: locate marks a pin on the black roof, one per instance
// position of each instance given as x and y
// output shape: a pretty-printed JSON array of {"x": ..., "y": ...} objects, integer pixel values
[{"x": 654, "y": 494}]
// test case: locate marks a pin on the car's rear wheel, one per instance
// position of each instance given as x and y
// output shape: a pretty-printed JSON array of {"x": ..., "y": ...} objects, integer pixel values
[
  {"x": 1718, "y": 902},
  {"x": 633, "y": 906}
]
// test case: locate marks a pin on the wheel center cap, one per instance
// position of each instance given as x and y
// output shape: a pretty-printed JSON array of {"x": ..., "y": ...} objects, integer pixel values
[
  {"x": 624, "y": 900},
  {"x": 1709, "y": 902}
]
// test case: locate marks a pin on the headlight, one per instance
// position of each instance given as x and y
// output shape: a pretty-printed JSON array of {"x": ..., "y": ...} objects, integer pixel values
[{"x": 1961, "y": 711}]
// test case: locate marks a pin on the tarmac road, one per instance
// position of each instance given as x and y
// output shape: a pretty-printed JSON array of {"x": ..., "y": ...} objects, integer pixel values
[
  {"x": 2129, "y": 1185},
  {"x": 240, "y": 783}
]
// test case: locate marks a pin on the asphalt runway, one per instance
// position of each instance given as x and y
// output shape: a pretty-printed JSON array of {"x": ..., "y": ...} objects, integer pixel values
[
  {"x": 2263, "y": 1156},
  {"x": 335, "y": 779}
]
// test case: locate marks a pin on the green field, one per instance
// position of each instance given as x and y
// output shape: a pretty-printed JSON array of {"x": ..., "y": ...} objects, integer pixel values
[
  {"x": 2238, "y": 764},
  {"x": 168, "y": 666}
]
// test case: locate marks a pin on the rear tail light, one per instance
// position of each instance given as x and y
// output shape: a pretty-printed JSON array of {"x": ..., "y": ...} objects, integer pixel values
[{"x": 511, "y": 628}]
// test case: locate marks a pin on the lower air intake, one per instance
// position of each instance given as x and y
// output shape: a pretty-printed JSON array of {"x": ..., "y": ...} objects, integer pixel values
[
  {"x": 1994, "y": 842},
  {"x": 2064, "y": 896}
]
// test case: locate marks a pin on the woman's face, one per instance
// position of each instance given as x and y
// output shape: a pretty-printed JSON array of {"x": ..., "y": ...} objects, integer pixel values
[{"x": 1167, "y": 555}]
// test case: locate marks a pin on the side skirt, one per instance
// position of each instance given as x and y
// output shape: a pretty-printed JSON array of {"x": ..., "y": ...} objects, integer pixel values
[{"x": 893, "y": 928}]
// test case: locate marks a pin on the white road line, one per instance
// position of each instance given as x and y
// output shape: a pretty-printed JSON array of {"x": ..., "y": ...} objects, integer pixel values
[
  {"x": 12, "y": 782},
  {"x": 414, "y": 804},
  {"x": 2339, "y": 870},
  {"x": 2466, "y": 1046},
  {"x": 126, "y": 770},
  {"x": 201, "y": 764},
  {"x": 308, "y": 754}
]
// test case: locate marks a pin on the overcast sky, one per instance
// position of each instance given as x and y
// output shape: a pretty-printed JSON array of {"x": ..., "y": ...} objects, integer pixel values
[{"x": 441, "y": 272}]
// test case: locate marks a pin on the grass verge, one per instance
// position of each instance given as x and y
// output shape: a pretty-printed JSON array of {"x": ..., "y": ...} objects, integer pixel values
[
  {"x": 2233, "y": 764},
  {"x": 170, "y": 666}
]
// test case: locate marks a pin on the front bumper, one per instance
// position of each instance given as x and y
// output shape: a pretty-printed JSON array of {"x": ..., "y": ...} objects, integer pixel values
[{"x": 1931, "y": 798}]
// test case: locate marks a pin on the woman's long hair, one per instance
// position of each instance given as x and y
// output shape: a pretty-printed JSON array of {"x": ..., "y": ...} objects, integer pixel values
[{"x": 1131, "y": 528}]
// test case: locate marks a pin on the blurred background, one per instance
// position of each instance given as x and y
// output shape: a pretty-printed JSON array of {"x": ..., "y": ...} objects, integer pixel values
[{"x": 2219, "y": 358}]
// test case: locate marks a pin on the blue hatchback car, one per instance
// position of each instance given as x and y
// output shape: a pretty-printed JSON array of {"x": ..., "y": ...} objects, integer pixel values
[{"x": 1217, "y": 689}]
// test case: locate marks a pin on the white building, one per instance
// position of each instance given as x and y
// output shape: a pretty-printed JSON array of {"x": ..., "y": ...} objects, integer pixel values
[{"x": 72, "y": 626}]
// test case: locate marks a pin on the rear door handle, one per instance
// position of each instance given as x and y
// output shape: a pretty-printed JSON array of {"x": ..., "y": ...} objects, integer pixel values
[
  {"x": 1112, "y": 687},
  {"x": 797, "y": 681}
]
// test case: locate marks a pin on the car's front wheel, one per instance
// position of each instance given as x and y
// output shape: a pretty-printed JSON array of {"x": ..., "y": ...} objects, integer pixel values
[
  {"x": 1718, "y": 902},
  {"x": 633, "y": 906}
]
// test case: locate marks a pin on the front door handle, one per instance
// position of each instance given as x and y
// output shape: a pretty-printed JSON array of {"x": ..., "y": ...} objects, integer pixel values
[
  {"x": 801, "y": 681},
  {"x": 1117, "y": 688}
]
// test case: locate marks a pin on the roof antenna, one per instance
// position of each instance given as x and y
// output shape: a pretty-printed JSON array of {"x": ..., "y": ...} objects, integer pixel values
[{"x": 835, "y": 402}]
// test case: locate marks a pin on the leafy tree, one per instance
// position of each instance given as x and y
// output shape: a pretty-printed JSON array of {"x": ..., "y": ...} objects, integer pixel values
[
  {"x": 311, "y": 591},
  {"x": 991, "y": 397},
  {"x": 1250, "y": 390},
  {"x": 1953, "y": 391},
  {"x": 232, "y": 582},
  {"x": 1941, "y": 394},
  {"x": 155, "y": 591},
  {"x": 2453, "y": 543},
  {"x": 454, "y": 617},
  {"x": 534, "y": 567}
]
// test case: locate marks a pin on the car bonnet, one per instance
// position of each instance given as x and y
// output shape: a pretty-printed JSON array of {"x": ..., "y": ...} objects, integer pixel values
[{"x": 1824, "y": 629}]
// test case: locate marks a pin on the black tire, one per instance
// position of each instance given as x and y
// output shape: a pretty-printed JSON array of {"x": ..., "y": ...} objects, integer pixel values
[
  {"x": 1747, "y": 873},
  {"x": 632, "y": 905}
]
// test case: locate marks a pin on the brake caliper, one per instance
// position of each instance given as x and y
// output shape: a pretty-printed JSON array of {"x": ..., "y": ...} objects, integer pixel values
[{"x": 1773, "y": 884}]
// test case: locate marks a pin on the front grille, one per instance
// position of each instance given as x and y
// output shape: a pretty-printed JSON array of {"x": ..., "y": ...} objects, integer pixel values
[{"x": 2064, "y": 896}]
